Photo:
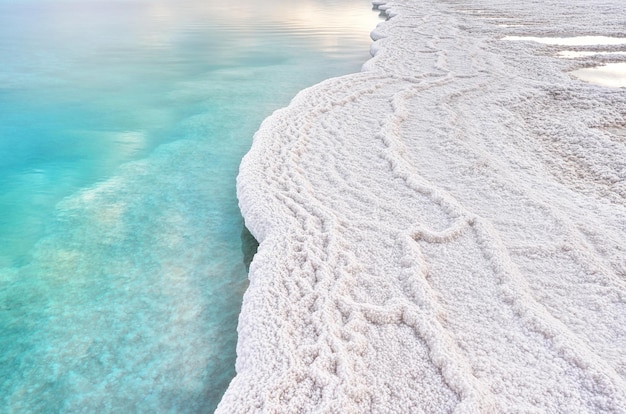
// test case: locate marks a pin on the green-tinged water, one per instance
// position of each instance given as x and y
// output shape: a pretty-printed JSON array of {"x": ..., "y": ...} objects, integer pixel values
[{"x": 122, "y": 124}]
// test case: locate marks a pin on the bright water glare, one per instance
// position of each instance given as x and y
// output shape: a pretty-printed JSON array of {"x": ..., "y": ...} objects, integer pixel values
[{"x": 122, "y": 124}]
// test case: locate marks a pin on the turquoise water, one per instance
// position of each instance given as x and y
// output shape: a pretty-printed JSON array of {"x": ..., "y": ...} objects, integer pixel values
[{"x": 122, "y": 124}]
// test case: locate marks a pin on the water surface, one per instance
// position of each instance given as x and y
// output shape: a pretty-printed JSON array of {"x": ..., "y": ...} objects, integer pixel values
[
  {"x": 612, "y": 75},
  {"x": 122, "y": 124},
  {"x": 572, "y": 41}
]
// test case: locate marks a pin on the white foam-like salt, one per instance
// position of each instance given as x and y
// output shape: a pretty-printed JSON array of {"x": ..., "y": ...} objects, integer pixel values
[{"x": 443, "y": 232}]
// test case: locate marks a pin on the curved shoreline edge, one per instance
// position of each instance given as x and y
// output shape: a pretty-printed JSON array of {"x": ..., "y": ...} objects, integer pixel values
[{"x": 444, "y": 231}]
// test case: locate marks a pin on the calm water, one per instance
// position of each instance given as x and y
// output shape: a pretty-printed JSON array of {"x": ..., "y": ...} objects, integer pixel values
[{"x": 122, "y": 124}]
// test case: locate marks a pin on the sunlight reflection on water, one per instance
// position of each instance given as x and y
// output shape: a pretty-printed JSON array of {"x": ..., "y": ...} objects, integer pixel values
[
  {"x": 612, "y": 75},
  {"x": 572, "y": 41},
  {"x": 609, "y": 75}
]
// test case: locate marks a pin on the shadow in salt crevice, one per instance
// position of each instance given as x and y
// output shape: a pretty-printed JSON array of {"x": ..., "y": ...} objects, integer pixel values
[{"x": 249, "y": 246}]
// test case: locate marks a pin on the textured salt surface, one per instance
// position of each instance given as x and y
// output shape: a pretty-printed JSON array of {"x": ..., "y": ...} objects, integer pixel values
[{"x": 445, "y": 231}]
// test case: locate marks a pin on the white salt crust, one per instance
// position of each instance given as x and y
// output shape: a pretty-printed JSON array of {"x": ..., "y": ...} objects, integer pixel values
[{"x": 445, "y": 231}]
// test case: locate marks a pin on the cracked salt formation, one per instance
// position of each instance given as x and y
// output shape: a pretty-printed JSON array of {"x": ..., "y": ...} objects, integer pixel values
[{"x": 443, "y": 232}]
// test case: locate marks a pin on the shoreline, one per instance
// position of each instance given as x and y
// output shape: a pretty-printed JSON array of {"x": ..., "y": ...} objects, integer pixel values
[{"x": 444, "y": 231}]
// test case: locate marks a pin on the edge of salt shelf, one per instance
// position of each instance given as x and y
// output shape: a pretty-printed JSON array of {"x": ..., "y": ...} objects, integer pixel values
[{"x": 443, "y": 232}]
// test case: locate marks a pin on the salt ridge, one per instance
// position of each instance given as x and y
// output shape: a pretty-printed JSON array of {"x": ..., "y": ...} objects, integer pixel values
[{"x": 445, "y": 231}]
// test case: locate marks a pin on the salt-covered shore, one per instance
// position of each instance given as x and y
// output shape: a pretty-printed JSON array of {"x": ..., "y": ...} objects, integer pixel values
[{"x": 445, "y": 231}]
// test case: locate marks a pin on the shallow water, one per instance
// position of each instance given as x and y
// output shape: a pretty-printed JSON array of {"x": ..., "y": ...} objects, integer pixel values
[
  {"x": 121, "y": 129},
  {"x": 572, "y": 41},
  {"x": 612, "y": 75},
  {"x": 568, "y": 54}
]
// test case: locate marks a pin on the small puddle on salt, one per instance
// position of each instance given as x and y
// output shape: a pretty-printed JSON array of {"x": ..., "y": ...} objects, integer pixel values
[
  {"x": 573, "y": 55},
  {"x": 620, "y": 132},
  {"x": 612, "y": 75},
  {"x": 572, "y": 41}
]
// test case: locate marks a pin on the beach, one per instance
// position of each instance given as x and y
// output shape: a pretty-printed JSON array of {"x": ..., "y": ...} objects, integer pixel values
[{"x": 444, "y": 231}]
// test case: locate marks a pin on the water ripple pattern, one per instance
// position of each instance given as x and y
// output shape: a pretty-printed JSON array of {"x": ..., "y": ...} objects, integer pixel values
[{"x": 444, "y": 232}]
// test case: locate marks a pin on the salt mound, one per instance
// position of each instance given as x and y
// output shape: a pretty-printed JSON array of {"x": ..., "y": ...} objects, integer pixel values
[{"x": 445, "y": 231}]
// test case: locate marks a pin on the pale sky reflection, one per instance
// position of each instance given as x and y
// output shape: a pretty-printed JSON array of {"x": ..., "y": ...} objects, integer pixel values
[
  {"x": 165, "y": 23},
  {"x": 572, "y": 41},
  {"x": 576, "y": 54},
  {"x": 612, "y": 75}
]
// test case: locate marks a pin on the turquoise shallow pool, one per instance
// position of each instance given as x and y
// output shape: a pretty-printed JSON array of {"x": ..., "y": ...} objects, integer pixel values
[{"x": 122, "y": 124}]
